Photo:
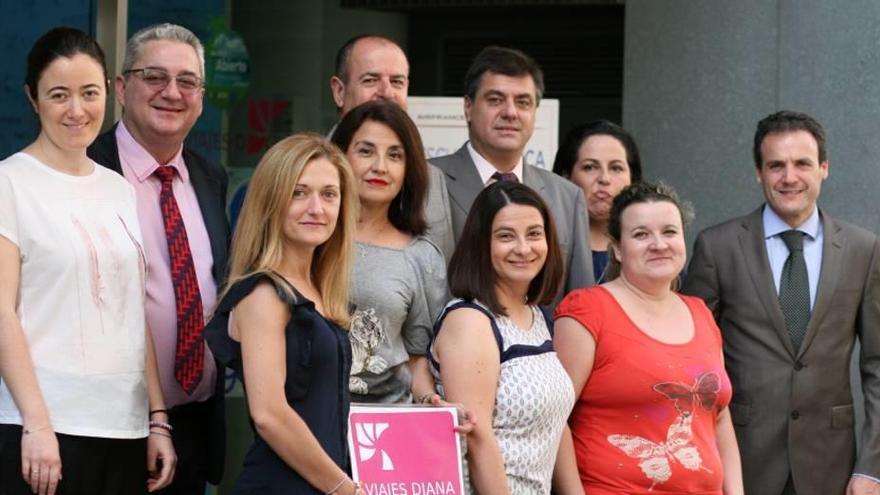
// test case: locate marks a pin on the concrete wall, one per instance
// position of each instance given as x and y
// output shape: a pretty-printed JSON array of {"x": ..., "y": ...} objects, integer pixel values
[{"x": 698, "y": 75}]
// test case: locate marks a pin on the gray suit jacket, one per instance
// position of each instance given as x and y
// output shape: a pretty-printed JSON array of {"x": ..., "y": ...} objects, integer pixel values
[
  {"x": 566, "y": 202},
  {"x": 437, "y": 213},
  {"x": 793, "y": 411}
]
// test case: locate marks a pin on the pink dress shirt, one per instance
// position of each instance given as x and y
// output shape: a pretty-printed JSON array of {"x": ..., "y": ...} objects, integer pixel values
[{"x": 138, "y": 167}]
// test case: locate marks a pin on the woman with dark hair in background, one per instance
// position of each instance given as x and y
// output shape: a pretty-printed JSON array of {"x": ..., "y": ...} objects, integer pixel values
[
  {"x": 81, "y": 409},
  {"x": 399, "y": 277},
  {"x": 281, "y": 318},
  {"x": 646, "y": 364},
  {"x": 492, "y": 350},
  {"x": 602, "y": 158}
]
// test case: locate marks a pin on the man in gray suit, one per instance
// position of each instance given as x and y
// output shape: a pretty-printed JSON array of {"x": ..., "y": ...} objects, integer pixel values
[
  {"x": 503, "y": 88},
  {"x": 791, "y": 288},
  {"x": 371, "y": 67}
]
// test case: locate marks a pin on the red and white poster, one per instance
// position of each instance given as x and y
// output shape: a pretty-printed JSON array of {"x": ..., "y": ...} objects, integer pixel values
[{"x": 405, "y": 450}]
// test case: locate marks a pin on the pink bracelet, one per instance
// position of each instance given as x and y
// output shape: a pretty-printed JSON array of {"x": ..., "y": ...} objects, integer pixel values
[{"x": 159, "y": 424}]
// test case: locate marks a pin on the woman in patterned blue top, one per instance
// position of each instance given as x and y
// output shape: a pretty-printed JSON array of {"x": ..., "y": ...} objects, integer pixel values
[{"x": 493, "y": 351}]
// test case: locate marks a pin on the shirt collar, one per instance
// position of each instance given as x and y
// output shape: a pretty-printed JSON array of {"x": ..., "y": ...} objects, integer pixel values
[
  {"x": 486, "y": 169},
  {"x": 140, "y": 161},
  {"x": 773, "y": 225}
]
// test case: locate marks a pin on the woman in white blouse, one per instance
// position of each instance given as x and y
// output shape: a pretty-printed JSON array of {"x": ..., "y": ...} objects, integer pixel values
[{"x": 79, "y": 372}]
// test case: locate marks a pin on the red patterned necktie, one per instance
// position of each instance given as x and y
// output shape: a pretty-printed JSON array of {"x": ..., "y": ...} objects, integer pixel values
[{"x": 190, "y": 355}]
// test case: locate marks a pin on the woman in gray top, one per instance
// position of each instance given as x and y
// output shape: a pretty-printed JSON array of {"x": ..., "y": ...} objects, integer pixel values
[{"x": 399, "y": 278}]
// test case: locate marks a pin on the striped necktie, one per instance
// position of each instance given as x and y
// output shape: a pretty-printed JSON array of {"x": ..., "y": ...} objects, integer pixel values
[{"x": 189, "y": 358}]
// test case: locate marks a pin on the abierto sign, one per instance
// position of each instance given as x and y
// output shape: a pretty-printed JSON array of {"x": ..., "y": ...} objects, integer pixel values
[
  {"x": 441, "y": 123},
  {"x": 405, "y": 450}
]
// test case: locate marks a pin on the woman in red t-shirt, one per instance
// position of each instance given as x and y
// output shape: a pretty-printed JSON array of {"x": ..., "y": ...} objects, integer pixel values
[{"x": 647, "y": 366}]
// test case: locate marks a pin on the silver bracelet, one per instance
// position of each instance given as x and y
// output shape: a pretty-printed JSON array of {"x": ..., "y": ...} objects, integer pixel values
[
  {"x": 337, "y": 487},
  {"x": 28, "y": 432}
]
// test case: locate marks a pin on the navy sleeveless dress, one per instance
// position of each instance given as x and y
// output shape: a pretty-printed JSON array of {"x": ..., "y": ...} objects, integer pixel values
[{"x": 316, "y": 387}]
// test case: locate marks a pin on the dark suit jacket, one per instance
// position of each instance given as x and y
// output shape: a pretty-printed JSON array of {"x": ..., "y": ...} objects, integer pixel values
[
  {"x": 210, "y": 183},
  {"x": 565, "y": 200},
  {"x": 793, "y": 411}
]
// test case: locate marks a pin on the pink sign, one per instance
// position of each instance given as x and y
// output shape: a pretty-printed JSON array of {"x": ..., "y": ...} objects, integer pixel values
[{"x": 405, "y": 450}]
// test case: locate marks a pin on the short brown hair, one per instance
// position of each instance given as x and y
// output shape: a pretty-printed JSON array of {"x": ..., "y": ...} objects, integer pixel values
[
  {"x": 471, "y": 275},
  {"x": 505, "y": 61},
  {"x": 638, "y": 193},
  {"x": 787, "y": 121},
  {"x": 343, "y": 56}
]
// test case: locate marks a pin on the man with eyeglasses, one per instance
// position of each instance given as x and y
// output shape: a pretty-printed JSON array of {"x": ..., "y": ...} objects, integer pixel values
[{"x": 180, "y": 200}]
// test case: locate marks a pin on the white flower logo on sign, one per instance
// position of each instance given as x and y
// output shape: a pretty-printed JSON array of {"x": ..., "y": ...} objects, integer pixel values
[{"x": 367, "y": 434}]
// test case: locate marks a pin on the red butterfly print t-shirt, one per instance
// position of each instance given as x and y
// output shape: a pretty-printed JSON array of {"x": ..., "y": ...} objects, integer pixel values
[{"x": 645, "y": 420}]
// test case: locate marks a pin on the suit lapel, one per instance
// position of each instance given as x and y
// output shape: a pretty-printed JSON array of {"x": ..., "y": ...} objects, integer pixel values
[
  {"x": 466, "y": 183},
  {"x": 105, "y": 151},
  {"x": 751, "y": 239},
  {"x": 829, "y": 274},
  {"x": 532, "y": 178},
  {"x": 207, "y": 189}
]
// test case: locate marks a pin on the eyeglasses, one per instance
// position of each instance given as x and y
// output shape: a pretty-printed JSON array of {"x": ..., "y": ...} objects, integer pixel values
[{"x": 158, "y": 79}]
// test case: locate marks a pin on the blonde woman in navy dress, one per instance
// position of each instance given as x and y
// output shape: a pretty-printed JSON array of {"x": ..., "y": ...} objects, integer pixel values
[{"x": 281, "y": 319}]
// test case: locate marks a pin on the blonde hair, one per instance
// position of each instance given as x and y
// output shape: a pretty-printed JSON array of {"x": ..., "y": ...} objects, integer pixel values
[{"x": 257, "y": 245}]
